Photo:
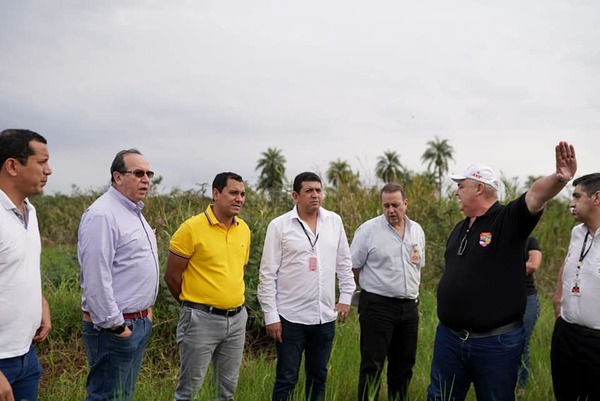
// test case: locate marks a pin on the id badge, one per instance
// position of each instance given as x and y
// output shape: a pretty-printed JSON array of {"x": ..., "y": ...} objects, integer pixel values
[
  {"x": 415, "y": 255},
  {"x": 575, "y": 290},
  {"x": 312, "y": 264}
]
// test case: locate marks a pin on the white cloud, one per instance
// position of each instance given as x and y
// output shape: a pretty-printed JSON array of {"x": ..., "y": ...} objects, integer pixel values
[{"x": 206, "y": 86}]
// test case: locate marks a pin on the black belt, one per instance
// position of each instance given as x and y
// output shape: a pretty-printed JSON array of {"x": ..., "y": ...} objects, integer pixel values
[
  {"x": 466, "y": 334},
  {"x": 212, "y": 310},
  {"x": 582, "y": 330},
  {"x": 392, "y": 299}
]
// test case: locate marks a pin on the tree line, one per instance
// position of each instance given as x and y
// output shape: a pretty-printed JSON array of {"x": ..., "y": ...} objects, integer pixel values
[{"x": 272, "y": 179}]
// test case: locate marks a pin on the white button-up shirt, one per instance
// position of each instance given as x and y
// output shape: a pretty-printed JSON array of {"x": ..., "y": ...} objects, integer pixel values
[
  {"x": 293, "y": 287},
  {"x": 582, "y": 309}
]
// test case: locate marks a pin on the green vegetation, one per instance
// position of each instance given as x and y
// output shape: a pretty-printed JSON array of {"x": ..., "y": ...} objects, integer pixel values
[{"x": 63, "y": 356}]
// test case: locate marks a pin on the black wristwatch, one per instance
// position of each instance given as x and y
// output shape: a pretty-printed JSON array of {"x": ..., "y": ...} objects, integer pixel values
[{"x": 119, "y": 329}]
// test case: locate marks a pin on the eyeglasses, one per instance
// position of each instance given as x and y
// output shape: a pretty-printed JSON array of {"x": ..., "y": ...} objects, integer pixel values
[
  {"x": 463, "y": 244},
  {"x": 139, "y": 173}
]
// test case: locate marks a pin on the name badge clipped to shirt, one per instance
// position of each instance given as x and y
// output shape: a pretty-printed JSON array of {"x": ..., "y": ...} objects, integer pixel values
[
  {"x": 415, "y": 254},
  {"x": 575, "y": 290},
  {"x": 312, "y": 263}
]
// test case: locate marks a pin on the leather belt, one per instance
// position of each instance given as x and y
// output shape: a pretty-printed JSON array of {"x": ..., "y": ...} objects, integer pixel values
[
  {"x": 132, "y": 315},
  {"x": 212, "y": 310},
  {"x": 464, "y": 334}
]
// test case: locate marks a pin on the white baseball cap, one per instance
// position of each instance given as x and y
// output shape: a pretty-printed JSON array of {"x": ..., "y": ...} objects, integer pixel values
[{"x": 478, "y": 172}]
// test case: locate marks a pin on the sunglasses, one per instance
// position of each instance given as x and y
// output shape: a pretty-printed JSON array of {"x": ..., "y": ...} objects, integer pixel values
[{"x": 139, "y": 173}]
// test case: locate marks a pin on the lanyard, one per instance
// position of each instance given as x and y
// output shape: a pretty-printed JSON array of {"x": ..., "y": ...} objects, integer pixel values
[
  {"x": 312, "y": 245},
  {"x": 584, "y": 252}
]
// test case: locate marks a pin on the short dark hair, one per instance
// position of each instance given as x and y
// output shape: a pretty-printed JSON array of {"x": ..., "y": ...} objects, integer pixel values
[
  {"x": 307, "y": 176},
  {"x": 220, "y": 180},
  {"x": 118, "y": 163},
  {"x": 590, "y": 183},
  {"x": 391, "y": 187},
  {"x": 14, "y": 144}
]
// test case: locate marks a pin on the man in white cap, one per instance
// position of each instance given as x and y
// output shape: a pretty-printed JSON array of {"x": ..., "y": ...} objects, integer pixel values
[{"x": 481, "y": 295}]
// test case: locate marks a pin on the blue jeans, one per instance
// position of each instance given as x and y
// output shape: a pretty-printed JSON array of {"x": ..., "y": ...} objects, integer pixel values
[
  {"x": 490, "y": 363},
  {"x": 315, "y": 341},
  {"x": 23, "y": 373},
  {"x": 532, "y": 312},
  {"x": 204, "y": 338},
  {"x": 114, "y": 362}
]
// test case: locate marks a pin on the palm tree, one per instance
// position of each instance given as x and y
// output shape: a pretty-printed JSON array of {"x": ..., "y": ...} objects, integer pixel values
[
  {"x": 389, "y": 167},
  {"x": 272, "y": 172},
  {"x": 437, "y": 156},
  {"x": 340, "y": 173}
]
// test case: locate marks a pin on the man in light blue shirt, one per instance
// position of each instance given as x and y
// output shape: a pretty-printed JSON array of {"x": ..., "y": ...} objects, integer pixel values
[
  {"x": 388, "y": 253},
  {"x": 119, "y": 279}
]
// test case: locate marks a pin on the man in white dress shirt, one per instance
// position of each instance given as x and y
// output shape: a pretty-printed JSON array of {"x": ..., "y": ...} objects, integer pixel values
[
  {"x": 575, "y": 351},
  {"x": 304, "y": 249}
]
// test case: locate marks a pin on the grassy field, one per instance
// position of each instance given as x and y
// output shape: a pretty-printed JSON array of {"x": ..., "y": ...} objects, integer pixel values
[
  {"x": 63, "y": 356},
  {"x": 65, "y": 368}
]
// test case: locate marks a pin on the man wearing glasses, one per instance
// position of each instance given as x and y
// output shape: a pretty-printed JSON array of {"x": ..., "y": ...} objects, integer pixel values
[
  {"x": 481, "y": 295},
  {"x": 119, "y": 279}
]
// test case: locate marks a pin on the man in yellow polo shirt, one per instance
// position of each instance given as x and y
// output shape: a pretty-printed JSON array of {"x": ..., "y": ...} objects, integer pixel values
[{"x": 205, "y": 272}]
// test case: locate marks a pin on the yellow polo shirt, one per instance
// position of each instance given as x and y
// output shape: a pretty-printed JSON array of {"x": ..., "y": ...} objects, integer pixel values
[{"x": 217, "y": 256}]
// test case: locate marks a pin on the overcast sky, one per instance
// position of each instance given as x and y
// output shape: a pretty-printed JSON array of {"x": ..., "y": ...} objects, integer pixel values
[{"x": 206, "y": 86}]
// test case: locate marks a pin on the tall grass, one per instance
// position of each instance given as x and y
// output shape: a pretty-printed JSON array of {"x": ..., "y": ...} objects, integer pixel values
[
  {"x": 63, "y": 356},
  {"x": 65, "y": 364}
]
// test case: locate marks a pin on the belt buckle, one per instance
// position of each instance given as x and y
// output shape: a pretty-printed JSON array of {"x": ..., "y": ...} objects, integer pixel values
[
  {"x": 230, "y": 312},
  {"x": 463, "y": 335}
]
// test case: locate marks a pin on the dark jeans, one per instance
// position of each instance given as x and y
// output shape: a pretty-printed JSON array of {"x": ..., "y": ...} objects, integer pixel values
[
  {"x": 532, "y": 312},
  {"x": 388, "y": 328},
  {"x": 23, "y": 373},
  {"x": 575, "y": 362},
  {"x": 114, "y": 361},
  {"x": 490, "y": 363},
  {"x": 315, "y": 341}
]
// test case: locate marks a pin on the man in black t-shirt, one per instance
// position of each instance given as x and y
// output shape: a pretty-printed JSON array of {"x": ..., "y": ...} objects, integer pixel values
[
  {"x": 481, "y": 295},
  {"x": 533, "y": 259}
]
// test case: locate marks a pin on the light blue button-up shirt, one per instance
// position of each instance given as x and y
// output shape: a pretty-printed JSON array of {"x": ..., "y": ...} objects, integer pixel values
[
  {"x": 118, "y": 257},
  {"x": 389, "y": 264}
]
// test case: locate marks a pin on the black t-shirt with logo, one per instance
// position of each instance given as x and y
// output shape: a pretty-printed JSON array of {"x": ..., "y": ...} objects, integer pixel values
[{"x": 483, "y": 287}]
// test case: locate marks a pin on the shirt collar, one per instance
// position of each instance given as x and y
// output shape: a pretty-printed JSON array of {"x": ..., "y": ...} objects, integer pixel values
[
  {"x": 212, "y": 219},
  {"x": 6, "y": 202},
  {"x": 584, "y": 229},
  {"x": 125, "y": 201},
  {"x": 9, "y": 205},
  {"x": 321, "y": 216},
  {"x": 407, "y": 222},
  {"x": 493, "y": 209}
]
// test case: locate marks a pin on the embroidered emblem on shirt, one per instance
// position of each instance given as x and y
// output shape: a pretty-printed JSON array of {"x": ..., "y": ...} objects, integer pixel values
[{"x": 485, "y": 239}]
